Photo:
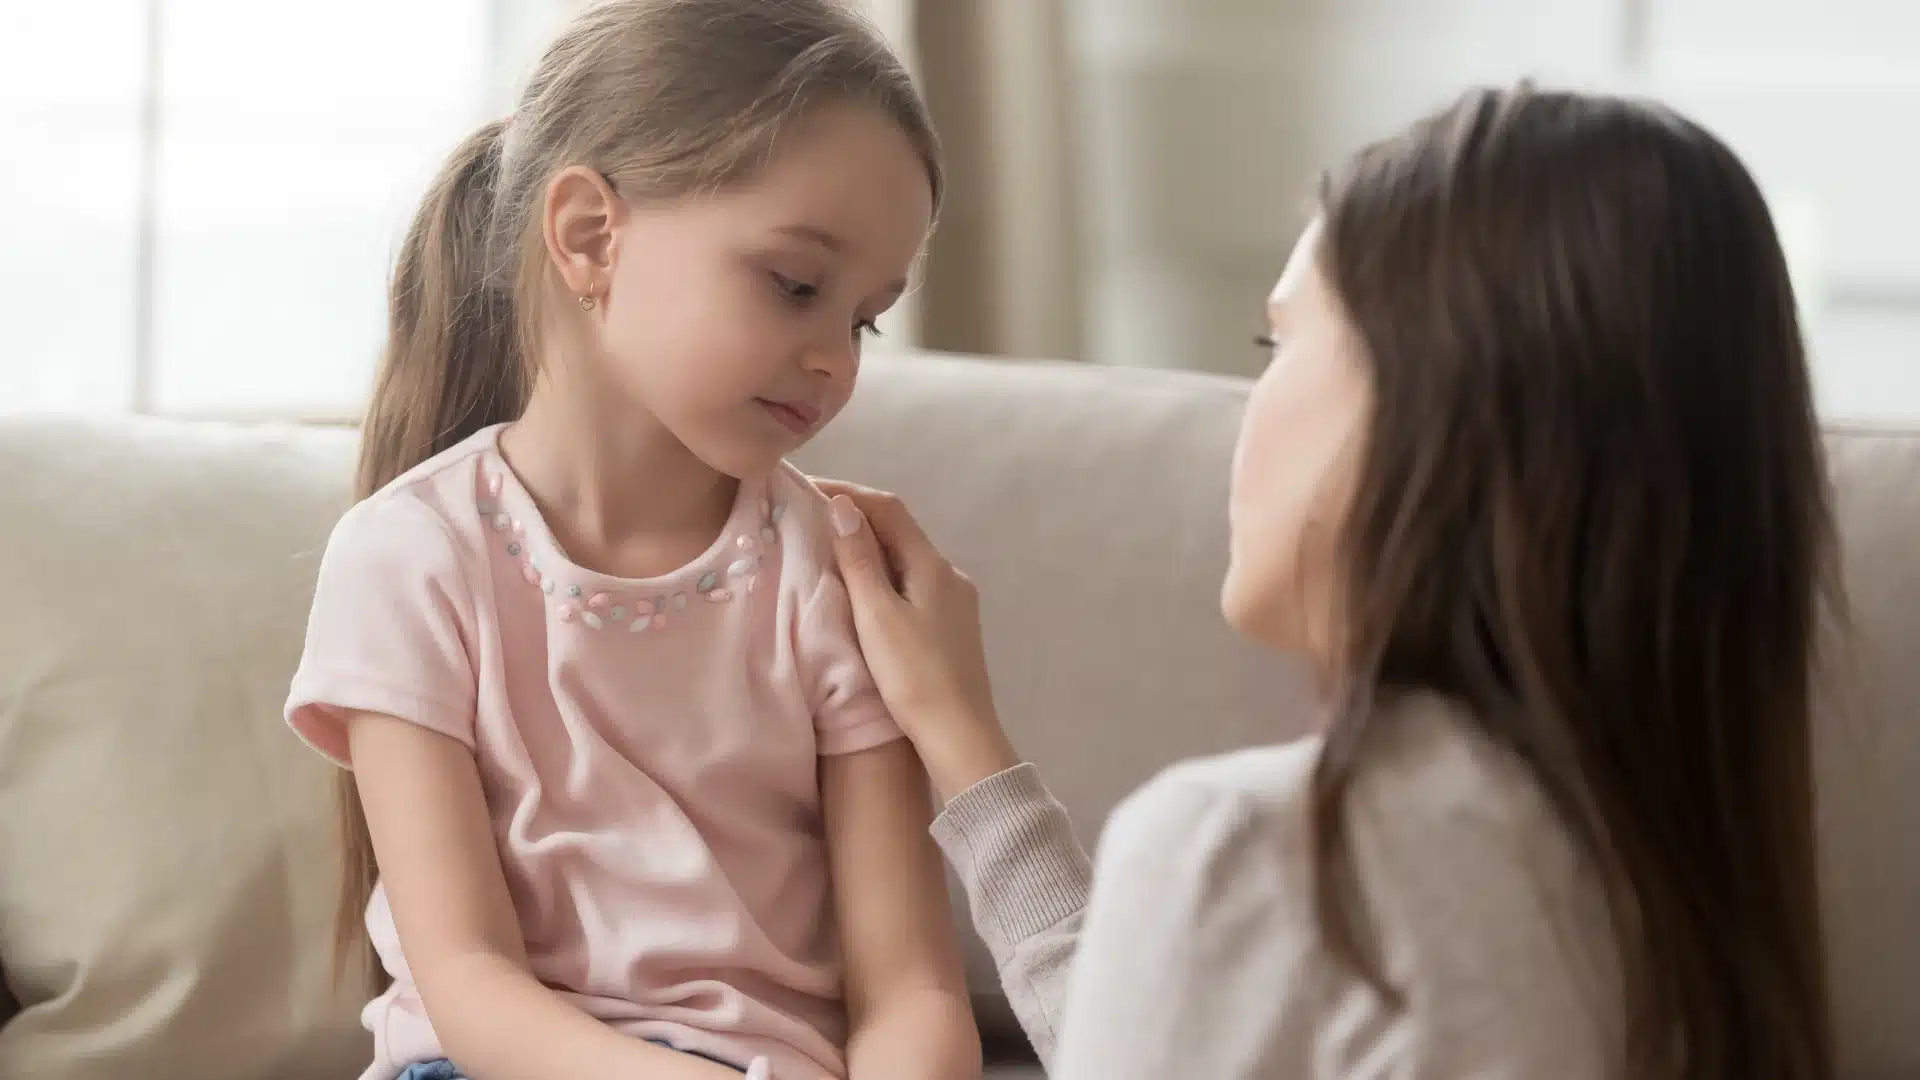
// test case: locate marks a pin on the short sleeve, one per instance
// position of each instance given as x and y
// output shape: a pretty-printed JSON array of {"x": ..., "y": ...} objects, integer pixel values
[
  {"x": 848, "y": 715},
  {"x": 387, "y": 633}
]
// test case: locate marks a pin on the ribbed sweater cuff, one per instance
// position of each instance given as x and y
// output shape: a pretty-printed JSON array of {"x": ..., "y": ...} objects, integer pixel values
[{"x": 1013, "y": 847}]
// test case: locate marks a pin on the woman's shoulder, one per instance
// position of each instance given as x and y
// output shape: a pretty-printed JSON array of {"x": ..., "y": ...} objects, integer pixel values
[
  {"x": 1208, "y": 817},
  {"x": 1471, "y": 897},
  {"x": 1431, "y": 788},
  {"x": 1258, "y": 784},
  {"x": 1433, "y": 782}
]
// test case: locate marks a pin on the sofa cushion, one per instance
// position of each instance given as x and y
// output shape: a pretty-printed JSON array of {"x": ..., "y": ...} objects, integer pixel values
[
  {"x": 165, "y": 866},
  {"x": 1868, "y": 754}
]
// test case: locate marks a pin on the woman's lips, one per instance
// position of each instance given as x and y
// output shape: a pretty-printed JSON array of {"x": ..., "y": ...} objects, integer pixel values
[{"x": 796, "y": 417}]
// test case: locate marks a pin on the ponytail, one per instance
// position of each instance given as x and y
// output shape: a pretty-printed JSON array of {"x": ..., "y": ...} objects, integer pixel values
[{"x": 452, "y": 366}]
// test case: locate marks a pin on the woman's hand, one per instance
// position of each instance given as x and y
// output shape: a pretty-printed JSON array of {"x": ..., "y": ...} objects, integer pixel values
[{"x": 919, "y": 624}]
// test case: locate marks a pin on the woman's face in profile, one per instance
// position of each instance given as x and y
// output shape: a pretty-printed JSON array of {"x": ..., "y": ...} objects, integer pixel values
[{"x": 1293, "y": 468}]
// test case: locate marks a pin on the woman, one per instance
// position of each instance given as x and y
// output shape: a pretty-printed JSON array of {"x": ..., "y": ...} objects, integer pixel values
[{"x": 1534, "y": 481}]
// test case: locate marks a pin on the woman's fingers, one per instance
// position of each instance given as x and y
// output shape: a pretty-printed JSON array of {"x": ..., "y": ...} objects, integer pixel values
[
  {"x": 864, "y": 564},
  {"x": 919, "y": 625},
  {"x": 899, "y": 534}
]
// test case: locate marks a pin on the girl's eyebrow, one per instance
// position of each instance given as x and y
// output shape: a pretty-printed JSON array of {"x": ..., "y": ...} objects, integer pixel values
[{"x": 816, "y": 235}]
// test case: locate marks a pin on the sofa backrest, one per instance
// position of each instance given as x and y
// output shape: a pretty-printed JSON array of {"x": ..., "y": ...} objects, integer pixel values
[{"x": 166, "y": 871}]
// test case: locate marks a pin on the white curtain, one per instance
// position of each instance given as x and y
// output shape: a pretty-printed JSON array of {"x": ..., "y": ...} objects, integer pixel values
[{"x": 1002, "y": 271}]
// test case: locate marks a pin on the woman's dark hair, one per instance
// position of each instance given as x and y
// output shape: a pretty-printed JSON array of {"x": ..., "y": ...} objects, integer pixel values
[{"x": 1592, "y": 509}]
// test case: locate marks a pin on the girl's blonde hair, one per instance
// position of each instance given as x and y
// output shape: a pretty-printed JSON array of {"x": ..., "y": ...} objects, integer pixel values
[{"x": 664, "y": 98}]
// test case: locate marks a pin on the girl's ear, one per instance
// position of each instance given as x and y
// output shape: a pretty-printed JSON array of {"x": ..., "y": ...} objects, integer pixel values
[{"x": 577, "y": 223}]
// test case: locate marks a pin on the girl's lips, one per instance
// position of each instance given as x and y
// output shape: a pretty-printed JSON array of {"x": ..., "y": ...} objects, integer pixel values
[{"x": 796, "y": 417}]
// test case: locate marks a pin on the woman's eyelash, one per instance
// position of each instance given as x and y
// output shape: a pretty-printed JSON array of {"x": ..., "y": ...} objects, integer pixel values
[
  {"x": 867, "y": 327},
  {"x": 1266, "y": 341},
  {"x": 795, "y": 290}
]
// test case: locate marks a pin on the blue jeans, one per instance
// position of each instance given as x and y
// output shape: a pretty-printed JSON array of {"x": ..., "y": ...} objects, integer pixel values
[{"x": 445, "y": 1070}]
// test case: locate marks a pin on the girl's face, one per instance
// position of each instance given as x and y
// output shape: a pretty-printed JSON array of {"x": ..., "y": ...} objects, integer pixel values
[
  {"x": 735, "y": 319},
  {"x": 1294, "y": 464}
]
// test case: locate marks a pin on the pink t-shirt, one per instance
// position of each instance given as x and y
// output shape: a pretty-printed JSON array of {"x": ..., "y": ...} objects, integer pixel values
[{"x": 649, "y": 748}]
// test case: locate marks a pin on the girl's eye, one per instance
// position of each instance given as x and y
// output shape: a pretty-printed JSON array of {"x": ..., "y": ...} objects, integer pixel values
[
  {"x": 867, "y": 327},
  {"x": 1267, "y": 342},
  {"x": 798, "y": 291}
]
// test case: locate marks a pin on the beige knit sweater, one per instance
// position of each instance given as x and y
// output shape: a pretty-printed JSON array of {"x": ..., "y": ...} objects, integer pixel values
[{"x": 1197, "y": 956}]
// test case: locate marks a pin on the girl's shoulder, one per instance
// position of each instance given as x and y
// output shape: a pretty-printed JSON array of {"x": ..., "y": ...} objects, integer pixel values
[
  {"x": 799, "y": 511},
  {"x": 455, "y": 481},
  {"x": 427, "y": 523}
]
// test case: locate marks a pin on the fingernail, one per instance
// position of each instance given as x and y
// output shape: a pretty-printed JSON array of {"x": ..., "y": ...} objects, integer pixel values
[{"x": 846, "y": 516}]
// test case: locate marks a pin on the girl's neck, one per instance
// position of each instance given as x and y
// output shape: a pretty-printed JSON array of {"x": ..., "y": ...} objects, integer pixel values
[{"x": 621, "y": 492}]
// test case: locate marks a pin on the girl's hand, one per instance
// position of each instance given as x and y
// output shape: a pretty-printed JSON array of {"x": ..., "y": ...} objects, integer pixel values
[{"x": 919, "y": 624}]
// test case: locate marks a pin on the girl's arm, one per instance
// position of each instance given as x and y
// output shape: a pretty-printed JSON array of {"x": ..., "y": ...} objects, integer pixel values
[
  {"x": 1010, "y": 841},
  {"x": 435, "y": 848},
  {"x": 906, "y": 994}
]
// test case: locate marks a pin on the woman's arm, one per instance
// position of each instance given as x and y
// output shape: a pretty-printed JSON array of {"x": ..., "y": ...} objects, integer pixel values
[
  {"x": 435, "y": 847},
  {"x": 906, "y": 994},
  {"x": 1026, "y": 878}
]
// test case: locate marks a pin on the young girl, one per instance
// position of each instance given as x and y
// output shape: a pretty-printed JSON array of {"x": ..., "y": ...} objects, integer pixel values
[
  {"x": 630, "y": 791},
  {"x": 1534, "y": 483}
]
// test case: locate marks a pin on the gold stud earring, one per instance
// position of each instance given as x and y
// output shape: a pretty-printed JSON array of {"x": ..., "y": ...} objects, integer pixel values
[{"x": 586, "y": 302}]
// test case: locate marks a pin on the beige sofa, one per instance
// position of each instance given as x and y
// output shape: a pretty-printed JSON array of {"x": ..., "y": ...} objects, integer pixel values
[{"x": 165, "y": 872}]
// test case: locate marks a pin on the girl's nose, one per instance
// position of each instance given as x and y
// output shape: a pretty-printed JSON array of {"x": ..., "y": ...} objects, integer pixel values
[{"x": 836, "y": 360}]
